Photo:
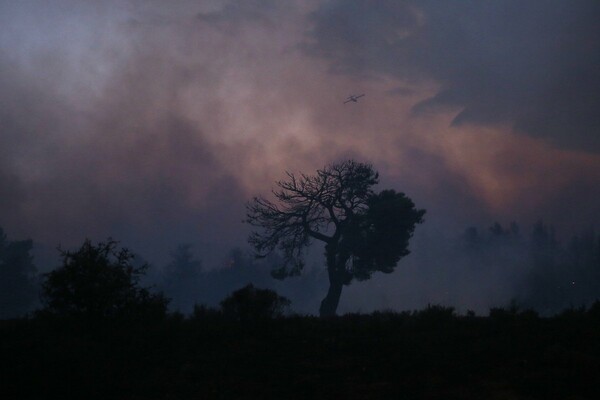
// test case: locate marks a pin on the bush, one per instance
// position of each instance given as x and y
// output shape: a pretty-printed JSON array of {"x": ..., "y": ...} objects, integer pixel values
[
  {"x": 250, "y": 303},
  {"x": 99, "y": 282}
]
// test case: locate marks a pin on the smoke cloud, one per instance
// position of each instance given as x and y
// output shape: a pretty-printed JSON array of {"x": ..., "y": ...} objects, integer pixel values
[{"x": 154, "y": 123}]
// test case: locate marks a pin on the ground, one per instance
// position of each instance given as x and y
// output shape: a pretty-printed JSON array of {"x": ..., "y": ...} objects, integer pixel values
[{"x": 427, "y": 355}]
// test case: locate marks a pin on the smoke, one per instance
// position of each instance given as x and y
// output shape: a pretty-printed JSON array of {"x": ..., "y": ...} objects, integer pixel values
[
  {"x": 153, "y": 124},
  {"x": 532, "y": 66}
]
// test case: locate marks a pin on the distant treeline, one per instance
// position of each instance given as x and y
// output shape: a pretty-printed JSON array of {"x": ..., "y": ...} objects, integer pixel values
[{"x": 552, "y": 275}]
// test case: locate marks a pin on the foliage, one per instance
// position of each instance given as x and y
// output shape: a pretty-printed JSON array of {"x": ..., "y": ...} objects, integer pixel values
[
  {"x": 378, "y": 237},
  {"x": 252, "y": 304},
  {"x": 99, "y": 281},
  {"x": 18, "y": 286}
]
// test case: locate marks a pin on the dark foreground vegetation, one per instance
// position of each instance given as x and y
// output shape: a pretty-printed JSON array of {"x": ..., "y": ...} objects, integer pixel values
[{"x": 431, "y": 354}]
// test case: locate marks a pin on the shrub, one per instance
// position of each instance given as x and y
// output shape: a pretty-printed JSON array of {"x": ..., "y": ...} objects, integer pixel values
[
  {"x": 99, "y": 282},
  {"x": 250, "y": 303}
]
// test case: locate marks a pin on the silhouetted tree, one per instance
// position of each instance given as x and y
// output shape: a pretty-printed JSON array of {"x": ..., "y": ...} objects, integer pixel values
[
  {"x": 251, "y": 304},
  {"x": 18, "y": 288},
  {"x": 363, "y": 231},
  {"x": 99, "y": 282},
  {"x": 182, "y": 278}
]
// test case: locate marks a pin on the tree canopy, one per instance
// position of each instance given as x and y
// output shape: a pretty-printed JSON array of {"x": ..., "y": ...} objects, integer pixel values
[{"x": 363, "y": 231}]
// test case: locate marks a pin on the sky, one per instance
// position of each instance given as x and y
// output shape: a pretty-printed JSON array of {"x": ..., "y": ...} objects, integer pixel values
[{"x": 154, "y": 122}]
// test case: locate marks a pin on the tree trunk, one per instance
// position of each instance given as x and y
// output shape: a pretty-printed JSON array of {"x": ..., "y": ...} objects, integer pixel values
[
  {"x": 330, "y": 302},
  {"x": 335, "y": 266}
]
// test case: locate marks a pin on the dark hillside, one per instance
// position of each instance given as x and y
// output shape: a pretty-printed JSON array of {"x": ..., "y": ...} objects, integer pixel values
[{"x": 431, "y": 354}]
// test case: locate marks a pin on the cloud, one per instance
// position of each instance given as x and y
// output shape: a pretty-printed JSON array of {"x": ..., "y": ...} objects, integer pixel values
[
  {"x": 155, "y": 124},
  {"x": 148, "y": 123},
  {"x": 108, "y": 150},
  {"x": 532, "y": 65}
]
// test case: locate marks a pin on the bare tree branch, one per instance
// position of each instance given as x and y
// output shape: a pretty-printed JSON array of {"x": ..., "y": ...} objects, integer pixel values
[{"x": 363, "y": 232}]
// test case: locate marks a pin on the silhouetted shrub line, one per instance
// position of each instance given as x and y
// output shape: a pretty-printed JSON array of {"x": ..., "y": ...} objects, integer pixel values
[
  {"x": 552, "y": 275},
  {"x": 429, "y": 353}
]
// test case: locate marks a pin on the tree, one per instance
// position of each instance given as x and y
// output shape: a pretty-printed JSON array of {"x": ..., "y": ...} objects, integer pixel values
[
  {"x": 363, "y": 231},
  {"x": 99, "y": 282},
  {"x": 18, "y": 286},
  {"x": 252, "y": 304}
]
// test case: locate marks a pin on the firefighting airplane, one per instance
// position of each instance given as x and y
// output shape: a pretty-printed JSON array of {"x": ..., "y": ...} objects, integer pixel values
[{"x": 353, "y": 98}]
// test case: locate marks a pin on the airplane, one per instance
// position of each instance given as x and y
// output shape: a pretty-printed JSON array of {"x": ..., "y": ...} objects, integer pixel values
[{"x": 353, "y": 98}]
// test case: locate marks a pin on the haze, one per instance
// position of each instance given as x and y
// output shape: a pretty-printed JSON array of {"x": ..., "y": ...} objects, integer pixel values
[{"x": 154, "y": 122}]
